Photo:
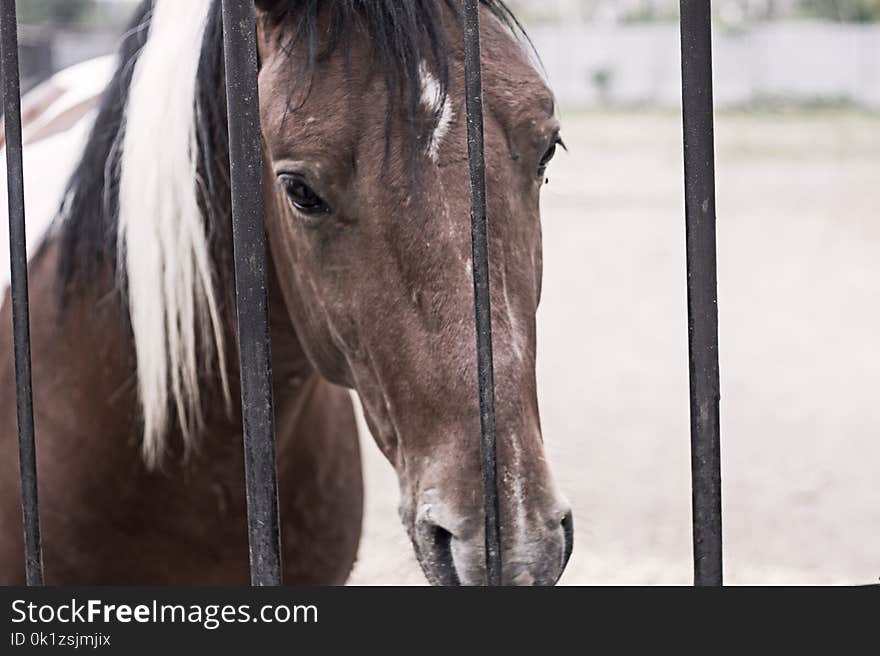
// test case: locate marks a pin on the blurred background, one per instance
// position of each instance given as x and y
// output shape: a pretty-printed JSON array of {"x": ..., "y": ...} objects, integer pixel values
[
  {"x": 600, "y": 53},
  {"x": 624, "y": 53},
  {"x": 798, "y": 158},
  {"x": 55, "y": 34}
]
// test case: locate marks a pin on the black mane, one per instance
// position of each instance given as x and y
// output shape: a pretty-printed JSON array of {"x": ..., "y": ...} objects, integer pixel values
[
  {"x": 404, "y": 33},
  {"x": 90, "y": 205}
]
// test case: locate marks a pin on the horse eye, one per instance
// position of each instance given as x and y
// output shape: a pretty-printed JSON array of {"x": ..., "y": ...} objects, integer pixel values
[
  {"x": 549, "y": 155},
  {"x": 302, "y": 196}
]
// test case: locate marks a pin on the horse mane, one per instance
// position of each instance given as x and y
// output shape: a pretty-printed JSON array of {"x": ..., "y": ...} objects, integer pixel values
[{"x": 149, "y": 200}]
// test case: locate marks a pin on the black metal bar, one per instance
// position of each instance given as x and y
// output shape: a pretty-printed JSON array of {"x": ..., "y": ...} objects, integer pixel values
[
  {"x": 699, "y": 164},
  {"x": 249, "y": 237},
  {"x": 20, "y": 312},
  {"x": 482, "y": 304}
]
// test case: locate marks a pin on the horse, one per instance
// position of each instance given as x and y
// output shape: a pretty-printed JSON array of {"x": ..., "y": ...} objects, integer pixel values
[{"x": 141, "y": 475}]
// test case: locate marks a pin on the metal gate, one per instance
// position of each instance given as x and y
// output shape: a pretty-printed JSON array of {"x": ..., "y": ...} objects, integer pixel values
[{"x": 252, "y": 302}]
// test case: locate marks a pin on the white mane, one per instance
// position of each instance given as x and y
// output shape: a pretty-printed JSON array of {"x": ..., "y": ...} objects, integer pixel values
[{"x": 163, "y": 243}]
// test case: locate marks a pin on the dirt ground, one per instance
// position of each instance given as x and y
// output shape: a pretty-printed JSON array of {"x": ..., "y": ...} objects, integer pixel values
[{"x": 799, "y": 279}]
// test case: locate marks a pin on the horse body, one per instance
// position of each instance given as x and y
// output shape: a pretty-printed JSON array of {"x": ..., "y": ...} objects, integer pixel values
[
  {"x": 132, "y": 305},
  {"x": 109, "y": 519}
]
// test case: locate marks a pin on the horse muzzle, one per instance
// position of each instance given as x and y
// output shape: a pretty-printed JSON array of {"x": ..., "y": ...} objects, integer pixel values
[{"x": 531, "y": 555}]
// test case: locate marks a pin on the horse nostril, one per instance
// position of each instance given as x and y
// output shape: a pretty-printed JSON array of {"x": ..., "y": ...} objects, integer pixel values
[
  {"x": 436, "y": 552},
  {"x": 441, "y": 539},
  {"x": 568, "y": 531}
]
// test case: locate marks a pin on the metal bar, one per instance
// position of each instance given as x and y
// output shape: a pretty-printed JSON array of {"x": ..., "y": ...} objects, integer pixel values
[
  {"x": 20, "y": 312},
  {"x": 482, "y": 303},
  {"x": 699, "y": 165},
  {"x": 249, "y": 237}
]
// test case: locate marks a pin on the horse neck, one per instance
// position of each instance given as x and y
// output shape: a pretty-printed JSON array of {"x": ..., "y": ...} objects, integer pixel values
[{"x": 93, "y": 318}]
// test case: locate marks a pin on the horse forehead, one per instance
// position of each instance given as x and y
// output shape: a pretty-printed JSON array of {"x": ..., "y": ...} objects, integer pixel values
[
  {"x": 518, "y": 89},
  {"x": 346, "y": 99}
]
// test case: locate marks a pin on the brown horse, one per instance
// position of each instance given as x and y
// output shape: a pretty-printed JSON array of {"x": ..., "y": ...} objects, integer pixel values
[{"x": 365, "y": 168}]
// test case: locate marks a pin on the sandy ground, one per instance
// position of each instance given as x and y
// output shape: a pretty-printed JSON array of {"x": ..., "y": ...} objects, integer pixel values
[{"x": 799, "y": 278}]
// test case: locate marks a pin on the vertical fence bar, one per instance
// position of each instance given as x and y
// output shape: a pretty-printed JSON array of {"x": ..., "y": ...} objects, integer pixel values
[
  {"x": 699, "y": 163},
  {"x": 482, "y": 305},
  {"x": 249, "y": 237},
  {"x": 19, "y": 286},
  {"x": 20, "y": 312}
]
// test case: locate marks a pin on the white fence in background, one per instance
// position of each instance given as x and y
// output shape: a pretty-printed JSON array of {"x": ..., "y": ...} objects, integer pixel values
[{"x": 639, "y": 64}]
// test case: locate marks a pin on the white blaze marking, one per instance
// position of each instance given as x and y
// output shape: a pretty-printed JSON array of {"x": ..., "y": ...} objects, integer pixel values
[
  {"x": 431, "y": 99},
  {"x": 518, "y": 495},
  {"x": 517, "y": 334}
]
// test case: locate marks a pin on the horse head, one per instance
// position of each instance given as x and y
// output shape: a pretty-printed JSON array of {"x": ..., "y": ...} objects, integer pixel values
[{"x": 368, "y": 201}]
